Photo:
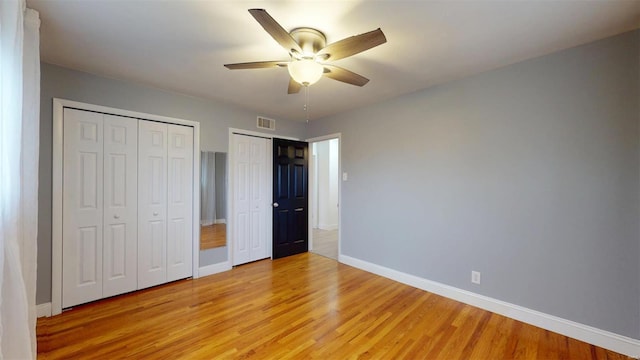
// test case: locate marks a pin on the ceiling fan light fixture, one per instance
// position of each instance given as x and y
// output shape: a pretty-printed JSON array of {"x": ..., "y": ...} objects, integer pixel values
[
  {"x": 305, "y": 71},
  {"x": 310, "y": 53}
]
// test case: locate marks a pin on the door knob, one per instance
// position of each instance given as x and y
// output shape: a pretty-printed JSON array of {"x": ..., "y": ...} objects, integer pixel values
[
  {"x": 276, "y": 204},
  {"x": 155, "y": 214},
  {"x": 116, "y": 216}
]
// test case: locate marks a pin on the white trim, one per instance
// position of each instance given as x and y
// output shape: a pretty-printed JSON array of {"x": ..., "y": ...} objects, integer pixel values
[
  {"x": 215, "y": 268},
  {"x": 310, "y": 221},
  {"x": 589, "y": 334},
  {"x": 56, "y": 226},
  {"x": 195, "y": 212},
  {"x": 310, "y": 197},
  {"x": 327, "y": 226},
  {"x": 325, "y": 137},
  {"x": 260, "y": 134},
  {"x": 121, "y": 112},
  {"x": 43, "y": 310},
  {"x": 216, "y": 221},
  {"x": 230, "y": 187},
  {"x": 56, "y": 241}
]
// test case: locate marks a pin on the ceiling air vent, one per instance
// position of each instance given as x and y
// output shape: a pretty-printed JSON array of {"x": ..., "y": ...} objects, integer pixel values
[{"x": 266, "y": 123}]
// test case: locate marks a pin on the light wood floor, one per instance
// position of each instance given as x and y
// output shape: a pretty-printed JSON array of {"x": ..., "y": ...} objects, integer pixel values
[
  {"x": 304, "y": 306},
  {"x": 325, "y": 243},
  {"x": 212, "y": 236}
]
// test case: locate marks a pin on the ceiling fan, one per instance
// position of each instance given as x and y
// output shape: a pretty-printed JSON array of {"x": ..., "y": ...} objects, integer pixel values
[{"x": 310, "y": 53}]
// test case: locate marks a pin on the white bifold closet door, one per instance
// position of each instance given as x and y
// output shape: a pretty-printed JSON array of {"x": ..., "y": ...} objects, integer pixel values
[
  {"x": 165, "y": 188},
  {"x": 251, "y": 198},
  {"x": 127, "y": 205},
  {"x": 99, "y": 206}
]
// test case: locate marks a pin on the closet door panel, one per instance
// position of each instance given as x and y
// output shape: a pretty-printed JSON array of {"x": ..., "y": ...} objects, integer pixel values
[
  {"x": 251, "y": 199},
  {"x": 82, "y": 207},
  {"x": 152, "y": 203},
  {"x": 120, "y": 205},
  {"x": 260, "y": 197},
  {"x": 180, "y": 203},
  {"x": 242, "y": 200}
]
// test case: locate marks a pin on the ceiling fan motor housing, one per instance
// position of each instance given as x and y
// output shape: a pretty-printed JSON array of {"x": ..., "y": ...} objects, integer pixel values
[{"x": 310, "y": 40}]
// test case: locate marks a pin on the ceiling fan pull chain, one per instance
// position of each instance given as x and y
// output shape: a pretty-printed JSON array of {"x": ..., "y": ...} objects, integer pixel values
[{"x": 306, "y": 101}]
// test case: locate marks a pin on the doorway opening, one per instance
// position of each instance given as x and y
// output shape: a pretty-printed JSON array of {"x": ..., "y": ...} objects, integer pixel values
[{"x": 324, "y": 229}]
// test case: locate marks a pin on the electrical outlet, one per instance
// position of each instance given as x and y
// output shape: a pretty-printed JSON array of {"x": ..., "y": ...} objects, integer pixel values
[{"x": 475, "y": 277}]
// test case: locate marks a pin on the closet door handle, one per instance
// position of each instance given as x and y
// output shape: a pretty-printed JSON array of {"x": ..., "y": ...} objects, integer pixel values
[
  {"x": 155, "y": 213},
  {"x": 275, "y": 204},
  {"x": 116, "y": 216}
]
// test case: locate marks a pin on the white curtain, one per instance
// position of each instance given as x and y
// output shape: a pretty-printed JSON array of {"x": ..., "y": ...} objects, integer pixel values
[{"x": 19, "y": 146}]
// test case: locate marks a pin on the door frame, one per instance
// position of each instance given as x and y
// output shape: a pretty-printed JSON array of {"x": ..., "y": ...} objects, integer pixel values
[
  {"x": 231, "y": 187},
  {"x": 312, "y": 183},
  {"x": 56, "y": 227}
]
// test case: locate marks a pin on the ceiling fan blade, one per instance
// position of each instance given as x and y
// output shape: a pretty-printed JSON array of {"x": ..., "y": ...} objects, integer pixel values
[
  {"x": 275, "y": 30},
  {"x": 352, "y": 45},
  {"x": 344, "y": 75},
  {"x": 294, "y": 87},
  {"x": 256, "y": 65}
]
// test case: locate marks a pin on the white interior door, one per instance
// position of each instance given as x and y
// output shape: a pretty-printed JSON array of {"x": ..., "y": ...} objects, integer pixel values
[
  {"x": 82, "y": 207},
  {"x": 180, "y": 202},
  {"x": 120, "y": 205},
  {"x": 251, "y": 198},
  {"x": 152, "y": 203},
  {"x": 260, "y": 204}
]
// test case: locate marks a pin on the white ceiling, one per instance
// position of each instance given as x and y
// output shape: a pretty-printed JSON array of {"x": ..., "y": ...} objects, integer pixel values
[{"x": 182, "y": 45}]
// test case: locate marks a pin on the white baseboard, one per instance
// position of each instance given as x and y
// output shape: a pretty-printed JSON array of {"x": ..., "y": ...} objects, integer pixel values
[
  {"x": 328, "y": 226},
  {"x": 605, "y": 339},
  {"x": 214, "y": 268},
  {"x": 43, "y": 310},
  {"x": 216, "y": 221}
]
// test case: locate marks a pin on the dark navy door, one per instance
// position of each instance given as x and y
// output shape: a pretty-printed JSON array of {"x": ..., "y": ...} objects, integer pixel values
[{"x": 290, "y": 197}]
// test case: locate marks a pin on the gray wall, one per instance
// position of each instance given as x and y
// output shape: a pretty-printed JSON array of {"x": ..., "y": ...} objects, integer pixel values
[
  {"x": 528, "y": 174},
  {"x": 215, "y": 118}
]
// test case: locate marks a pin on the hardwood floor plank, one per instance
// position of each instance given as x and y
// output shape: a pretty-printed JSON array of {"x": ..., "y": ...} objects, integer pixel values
[
  {"x": 478, "y": 330},
  {"x": 301, "y": 307},
  {"x": 499, "y": 340},
  {"x": 325, "y": 243}
]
